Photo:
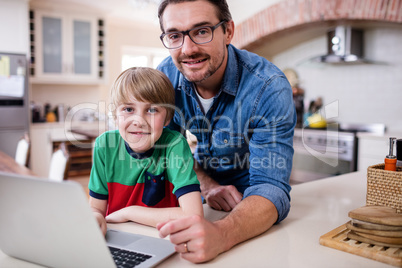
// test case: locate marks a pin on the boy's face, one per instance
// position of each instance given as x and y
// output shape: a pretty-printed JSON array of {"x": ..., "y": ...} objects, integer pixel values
[{"x": 140, "y": 124}]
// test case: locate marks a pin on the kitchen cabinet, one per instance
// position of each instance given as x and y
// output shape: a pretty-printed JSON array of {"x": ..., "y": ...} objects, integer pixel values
[
  {"x": 66, "y": 48},
  {"x": 45, "y": 137},
  {"x": 14, "y": 26}
]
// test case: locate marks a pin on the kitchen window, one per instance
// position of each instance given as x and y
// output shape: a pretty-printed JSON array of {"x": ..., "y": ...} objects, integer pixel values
[{"x": 142, "y": 57}]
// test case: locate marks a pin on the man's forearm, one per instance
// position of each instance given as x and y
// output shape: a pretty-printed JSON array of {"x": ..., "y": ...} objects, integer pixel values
[{"x": 251, "y": 217}]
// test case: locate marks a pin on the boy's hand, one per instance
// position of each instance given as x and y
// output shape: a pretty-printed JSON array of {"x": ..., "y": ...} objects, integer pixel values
[
  {"x": 101, "y": 221},
  {"x": 99, "y": 207}
]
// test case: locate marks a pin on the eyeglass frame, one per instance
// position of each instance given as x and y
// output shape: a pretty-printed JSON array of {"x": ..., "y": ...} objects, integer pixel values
[{"x": 184, "y": 33}]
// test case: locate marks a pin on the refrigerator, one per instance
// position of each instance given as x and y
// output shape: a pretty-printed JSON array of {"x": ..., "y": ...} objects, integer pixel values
[{"x": 14, "y": 102}]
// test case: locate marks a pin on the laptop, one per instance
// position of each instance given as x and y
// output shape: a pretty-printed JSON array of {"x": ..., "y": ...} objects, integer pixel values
[{"x": 51, "y": 224}]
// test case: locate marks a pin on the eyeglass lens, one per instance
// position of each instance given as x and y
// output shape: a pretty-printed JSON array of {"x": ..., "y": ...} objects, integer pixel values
[{"x": 198, "y": 35}]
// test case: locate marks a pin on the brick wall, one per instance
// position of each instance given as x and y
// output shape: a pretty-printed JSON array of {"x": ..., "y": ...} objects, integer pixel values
[{"x": 290, "y": 13}]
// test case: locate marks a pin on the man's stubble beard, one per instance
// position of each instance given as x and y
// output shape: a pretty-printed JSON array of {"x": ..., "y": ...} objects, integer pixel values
[{"x": 211, "y": 70}]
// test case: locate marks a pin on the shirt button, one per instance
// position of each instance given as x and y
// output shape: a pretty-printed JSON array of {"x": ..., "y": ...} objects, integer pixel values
[{"x": 225, "y": 141}]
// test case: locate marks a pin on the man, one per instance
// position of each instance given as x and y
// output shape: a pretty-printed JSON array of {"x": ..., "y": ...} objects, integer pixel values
[{"x": 240, "y": 108}]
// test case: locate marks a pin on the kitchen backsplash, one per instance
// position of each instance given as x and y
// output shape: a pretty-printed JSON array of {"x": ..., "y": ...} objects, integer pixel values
[
  {"x": 369, "y": 93},
  {"x": 85, "y": 100}
]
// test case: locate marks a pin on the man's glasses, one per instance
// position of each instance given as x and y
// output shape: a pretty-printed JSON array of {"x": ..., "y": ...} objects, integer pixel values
[{"x": 199, "y": 35}]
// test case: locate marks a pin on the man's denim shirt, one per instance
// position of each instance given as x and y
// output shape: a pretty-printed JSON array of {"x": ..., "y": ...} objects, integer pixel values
[{"x": 246, "y": 137}]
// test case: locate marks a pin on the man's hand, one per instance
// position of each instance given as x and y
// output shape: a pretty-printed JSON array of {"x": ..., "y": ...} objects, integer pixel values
[
  {"x": 196, "y": 239},
  {"x": 199, "y": 240},
  {"x": 222, "y": 197}
]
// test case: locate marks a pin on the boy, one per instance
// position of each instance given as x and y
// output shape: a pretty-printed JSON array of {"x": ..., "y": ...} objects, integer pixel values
[{"x": 142, "y": 172}]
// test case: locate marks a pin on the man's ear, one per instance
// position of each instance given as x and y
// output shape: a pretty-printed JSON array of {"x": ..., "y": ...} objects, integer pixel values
[
  {"x": 167, "y": 123},
  {"x": 230, "y": 28}
]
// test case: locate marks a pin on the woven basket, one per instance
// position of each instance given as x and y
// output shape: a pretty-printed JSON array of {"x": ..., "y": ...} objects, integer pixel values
[{"x": 384, "y": 188}]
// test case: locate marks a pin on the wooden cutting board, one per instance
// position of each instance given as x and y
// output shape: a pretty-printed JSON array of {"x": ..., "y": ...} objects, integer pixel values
[
  {"x": 384, "y": 233},
  {"x": 374, "y": 226},
  {"x": 375, "y": 240},
  {"x": 338, "y": 239},
  {"x": 377, "y": 214}
]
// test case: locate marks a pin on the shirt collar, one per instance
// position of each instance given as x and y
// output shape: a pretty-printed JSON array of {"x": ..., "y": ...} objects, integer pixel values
[
  {"x": 230, "y": 81},
  {"x": 138, "y": 155}
]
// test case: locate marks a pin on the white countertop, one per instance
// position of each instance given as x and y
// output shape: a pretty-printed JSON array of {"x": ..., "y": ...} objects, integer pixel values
[
  {"x": 317, "y": 208},
  {"x": 61, "y": 131}
]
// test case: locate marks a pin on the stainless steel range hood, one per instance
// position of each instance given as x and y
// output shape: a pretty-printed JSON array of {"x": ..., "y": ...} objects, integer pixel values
[{"x": 345, "y": 46}]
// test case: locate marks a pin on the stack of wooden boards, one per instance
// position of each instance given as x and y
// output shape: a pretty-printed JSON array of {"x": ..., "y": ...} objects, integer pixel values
[{"x": 376, "y": 225}]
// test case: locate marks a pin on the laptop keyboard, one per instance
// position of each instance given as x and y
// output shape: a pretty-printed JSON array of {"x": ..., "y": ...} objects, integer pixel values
[{"x": 124, "y": 258}]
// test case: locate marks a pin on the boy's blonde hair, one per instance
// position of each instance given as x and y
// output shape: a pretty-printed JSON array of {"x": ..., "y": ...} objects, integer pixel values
[{"x": 146, "y": 85}]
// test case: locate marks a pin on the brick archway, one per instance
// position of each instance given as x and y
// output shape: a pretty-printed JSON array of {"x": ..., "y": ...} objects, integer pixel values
[{"x": 290, "y": 14}]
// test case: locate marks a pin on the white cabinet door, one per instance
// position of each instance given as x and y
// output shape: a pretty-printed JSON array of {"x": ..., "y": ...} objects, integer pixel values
[
  {"x": 83, "y": 47},
  {"x": 14, "y": 27},
  {"x": 49, "y": 38},
  {"x": 65, "y": 48}
]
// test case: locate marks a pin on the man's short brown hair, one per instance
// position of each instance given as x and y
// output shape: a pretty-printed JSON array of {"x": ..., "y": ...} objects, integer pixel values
[{"x": 222, "y": 10}]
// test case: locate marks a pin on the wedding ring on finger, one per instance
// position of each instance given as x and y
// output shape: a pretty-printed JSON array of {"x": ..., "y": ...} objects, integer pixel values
[{"x": 186, "y": 248}]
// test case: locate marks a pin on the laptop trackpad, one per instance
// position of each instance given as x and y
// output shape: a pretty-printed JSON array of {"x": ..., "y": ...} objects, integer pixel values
[{"x": 122, "y": 239}]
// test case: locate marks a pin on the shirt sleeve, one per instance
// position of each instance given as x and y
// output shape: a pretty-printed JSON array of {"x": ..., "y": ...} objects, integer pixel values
[
  {"x": 97, "y": 181},
  {"x": 187, "y": 189},
  {"x": 180, "y": 168},
  {"x": 271, "y": 147}
]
